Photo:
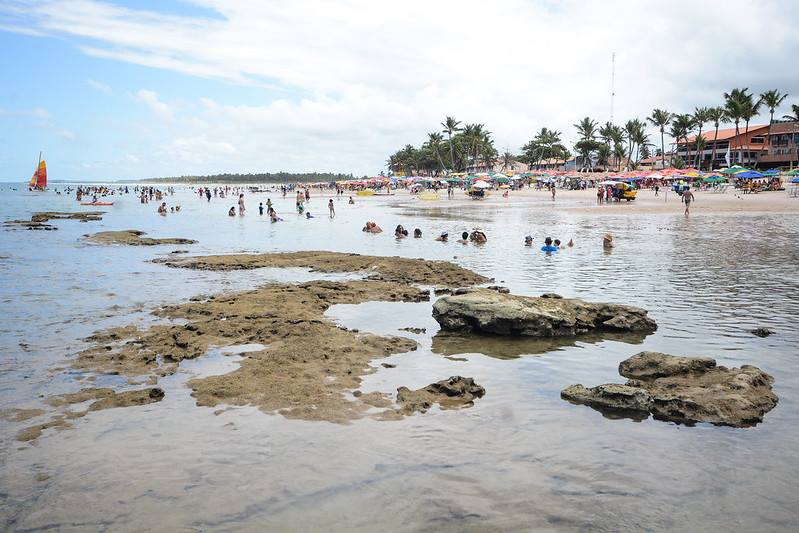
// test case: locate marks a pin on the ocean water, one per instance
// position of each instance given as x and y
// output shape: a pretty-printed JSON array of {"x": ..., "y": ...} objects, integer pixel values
[{"x": 520, "y": 459}]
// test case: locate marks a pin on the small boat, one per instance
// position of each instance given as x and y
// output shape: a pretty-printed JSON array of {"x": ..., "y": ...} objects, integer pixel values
[
  {"x": 97, "y": 203},
  {"x": 39, "y": 180}
]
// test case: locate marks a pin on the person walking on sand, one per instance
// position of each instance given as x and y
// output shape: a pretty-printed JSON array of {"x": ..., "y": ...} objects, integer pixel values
[
  {"x": 552, "y": 188},
  {"x": 687, "y": 198},
  {"x": 331, "y": 208}
]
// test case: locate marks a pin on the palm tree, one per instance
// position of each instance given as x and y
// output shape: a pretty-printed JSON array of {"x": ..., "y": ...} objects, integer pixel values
[
  {"x": 681, "y": 125},
  {"x": 587, "y": 130},
  {"x": 451, "y": 126},
  {"x": 507, "y": 160},
  {"x": 735, "y": 105},
  {"x": 434, "y": 140},
  {"x": 795, "y": 116},
  {"x": 700, "y": 147},
  {"x": 717, "y": 115},
  {"x": 751, "y": 110},
  {"x": 603, "y": 155},
  {"x": 660, "y": 118},
  {"x": 772, "y": 99},
  {"x": 700, "y": 116}
]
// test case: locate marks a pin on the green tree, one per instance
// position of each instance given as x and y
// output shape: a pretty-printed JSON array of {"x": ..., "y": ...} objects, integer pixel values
[
  {"x": 660, "y": 118},
  {"x": 717, "y": 115},
  {"x": 434, "y": 141},
  {"x": 795, "y": 116},
  {"x": 735, "y": 103},
  {"x": 451, "y": 126},
  {"x": 700, "y": 116}
]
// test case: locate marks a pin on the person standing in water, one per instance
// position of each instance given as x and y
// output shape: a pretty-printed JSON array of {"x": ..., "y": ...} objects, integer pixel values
[
  {"x": 687, "y": 198},
  {"x": 241, "y": 204},
  {"x": 331, "y": 208},
  {"x": 260, "y": 208}
]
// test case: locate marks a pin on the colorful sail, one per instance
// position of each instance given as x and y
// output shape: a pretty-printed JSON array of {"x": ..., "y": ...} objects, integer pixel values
[{"x": 39, "y": 179}]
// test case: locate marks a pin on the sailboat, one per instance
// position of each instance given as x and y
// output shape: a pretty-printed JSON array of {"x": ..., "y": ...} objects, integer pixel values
[{"x": 39, "y": 180}]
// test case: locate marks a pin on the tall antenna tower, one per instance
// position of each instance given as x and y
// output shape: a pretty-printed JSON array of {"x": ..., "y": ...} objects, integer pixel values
[{"x": 612, "y": 84}]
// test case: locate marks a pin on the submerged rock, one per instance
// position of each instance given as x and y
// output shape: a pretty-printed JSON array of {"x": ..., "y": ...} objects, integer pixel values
[
  {"x": 451, "y": 393},
  {"x": 133, "y": 237},
  {"x": 761, "y": 332},
  {"x": 684, "y": 390},
  {"x": 487, "y": 311}
]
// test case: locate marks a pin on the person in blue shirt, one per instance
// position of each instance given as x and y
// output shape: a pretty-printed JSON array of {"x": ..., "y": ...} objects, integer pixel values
[{"x": 548, "y": 246}]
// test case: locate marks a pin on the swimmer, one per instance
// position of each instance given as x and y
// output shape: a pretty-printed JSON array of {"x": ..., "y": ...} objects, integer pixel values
[
  {"x": 464, "y": 238},
  {"x": 607, "y": 241},
  {"x": 528, "y": 240},
  {"x": 308, "y": 215},
  {"x": 162, "y": 209},
  {"x": 260, "y": 208},
  {"x": 548, "y": 246},
  {"x": 351, "y": 201},
  {"x": 231, "y": 212},
  {"x": 444, "y": 237},
  {"x": 399, "y": 232},
  {"x": 557, "y": 243},
  {"x": 417, "y": 233},
  {"x": 570, "y": 244},
  {"x": 478, "y": 237}
]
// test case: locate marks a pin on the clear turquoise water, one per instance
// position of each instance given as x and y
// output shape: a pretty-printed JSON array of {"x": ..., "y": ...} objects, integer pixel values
[{"x": 520, "y": 459}]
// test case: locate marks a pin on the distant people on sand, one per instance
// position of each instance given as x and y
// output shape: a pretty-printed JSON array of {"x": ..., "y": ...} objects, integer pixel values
[
  {"x": 548, "y": 246},
  {"x": 372, "y": 227},
  {"x": 687, "y": 198},
  {"x": 331, "y": 208}
]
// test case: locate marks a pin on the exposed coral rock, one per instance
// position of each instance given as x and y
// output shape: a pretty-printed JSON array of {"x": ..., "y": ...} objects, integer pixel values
[
  {"x": 487, "y": 311},
  {"x": 685, "y": 390},
  {"x": 133, "y": 237},
  {"x": 451, "y": 393}
]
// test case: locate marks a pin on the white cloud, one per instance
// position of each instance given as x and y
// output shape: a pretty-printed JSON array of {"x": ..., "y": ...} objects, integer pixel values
[
  {"x": 374, "y": 76},
  {"x": 100, "y": 86},
  {"x": 150, "y": 99}
]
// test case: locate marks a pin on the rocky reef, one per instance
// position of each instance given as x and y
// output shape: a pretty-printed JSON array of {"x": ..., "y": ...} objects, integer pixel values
[
  {"x": 489, "y": 311},
  {"x": 684, "y": 390}
]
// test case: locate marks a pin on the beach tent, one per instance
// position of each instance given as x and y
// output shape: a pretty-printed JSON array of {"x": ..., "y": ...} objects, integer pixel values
[{"x": 714, "y": 179}]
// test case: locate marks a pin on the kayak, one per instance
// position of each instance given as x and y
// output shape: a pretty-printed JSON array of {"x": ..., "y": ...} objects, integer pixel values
[{"x": 97, "y": 203}]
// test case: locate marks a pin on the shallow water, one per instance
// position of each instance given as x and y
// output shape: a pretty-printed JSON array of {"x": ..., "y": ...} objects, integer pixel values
[{"x": 521, "y": 458}]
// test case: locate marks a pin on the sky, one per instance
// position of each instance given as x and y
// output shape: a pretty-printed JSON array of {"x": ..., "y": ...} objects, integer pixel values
[{"x": 134, "y": 89}]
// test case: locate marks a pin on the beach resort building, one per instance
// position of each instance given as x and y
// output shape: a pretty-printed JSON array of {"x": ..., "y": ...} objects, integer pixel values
[
  {"x": 782, "y": 146},
  {"x": 744, "y": 149}
]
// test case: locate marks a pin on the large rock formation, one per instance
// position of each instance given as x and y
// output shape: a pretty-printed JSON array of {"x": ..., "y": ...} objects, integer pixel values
[
  {"x": 683, "y": 389},
  {"x": 488, "y": 311}
]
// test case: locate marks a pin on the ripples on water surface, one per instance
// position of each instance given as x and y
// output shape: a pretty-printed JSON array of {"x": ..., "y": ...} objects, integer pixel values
[{"x": 521, "y": 458}]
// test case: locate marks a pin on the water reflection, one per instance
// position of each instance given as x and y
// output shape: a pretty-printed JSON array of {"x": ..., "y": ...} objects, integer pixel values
[{"x": 505, "y": 347}]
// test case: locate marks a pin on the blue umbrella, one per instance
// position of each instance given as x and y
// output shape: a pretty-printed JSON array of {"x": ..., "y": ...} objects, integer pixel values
[
  {"x": 749, "y": 175},
  {"x": 795, "y": 180},
  {"x": 771, "y": 172}
]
